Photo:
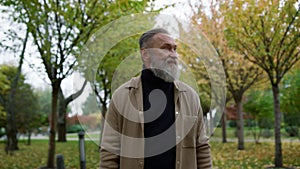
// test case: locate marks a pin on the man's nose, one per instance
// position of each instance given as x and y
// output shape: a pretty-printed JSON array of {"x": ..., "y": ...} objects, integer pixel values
[{"x": 173, "y": 55}]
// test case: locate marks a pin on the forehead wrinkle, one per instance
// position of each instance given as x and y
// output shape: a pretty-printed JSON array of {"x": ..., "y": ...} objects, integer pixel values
[{"x": 163, "y": 39}]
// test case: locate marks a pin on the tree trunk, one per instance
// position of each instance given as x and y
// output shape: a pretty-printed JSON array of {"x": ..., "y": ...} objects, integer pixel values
[
  {"x": 277, "y": 115},
  {"x": 103, "y": 112},
  {"x": 224, "y": 135},
  {"x": 12, "y": 141},
  {"x": 61, "y": 123},
  {"x": 62, "y": 131},
  {"x": 254, "y": 132},
  {"x": 51, "y": 149},
  {"x": 61, "y": 126},
  {"x": 211, "y": 124},
  {"x": 29, "y": 137},
  {"x": 240, "y": 125}
]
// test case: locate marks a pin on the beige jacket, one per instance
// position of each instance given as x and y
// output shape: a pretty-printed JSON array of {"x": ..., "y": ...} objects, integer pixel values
[{"x": 122, "y": 144}]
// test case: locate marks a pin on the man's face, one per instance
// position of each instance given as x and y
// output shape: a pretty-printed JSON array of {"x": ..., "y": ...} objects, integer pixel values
[{"x": 163, "y": 58}]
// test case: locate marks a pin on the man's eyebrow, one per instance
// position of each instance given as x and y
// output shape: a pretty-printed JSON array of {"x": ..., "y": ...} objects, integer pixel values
[{"x": 168, "y": 45}]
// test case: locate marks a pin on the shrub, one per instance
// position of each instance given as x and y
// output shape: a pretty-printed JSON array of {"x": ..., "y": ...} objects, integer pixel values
[
  {"x": 2, "y": 132},
  {"x": 76, "y": 128},
  {"x": 292, "y": 131},
  {"x": 232, "y": 123},
  {"x": 267, "y": 133}
]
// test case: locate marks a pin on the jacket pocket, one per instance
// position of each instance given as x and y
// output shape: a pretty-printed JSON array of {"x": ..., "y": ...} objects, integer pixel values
[{"x": 189, "y": 131}]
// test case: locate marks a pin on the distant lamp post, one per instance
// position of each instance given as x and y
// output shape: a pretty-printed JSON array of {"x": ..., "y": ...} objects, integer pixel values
[
  {"x": 81, "y": 150},
  {"x": 60, "y": 162}
]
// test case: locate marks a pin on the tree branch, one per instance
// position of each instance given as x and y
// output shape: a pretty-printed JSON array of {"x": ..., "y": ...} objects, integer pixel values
[{"x": 76, "y": 95}]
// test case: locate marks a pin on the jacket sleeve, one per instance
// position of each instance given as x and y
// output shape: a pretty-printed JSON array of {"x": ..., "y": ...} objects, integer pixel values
[
  {"x": 110, "y": 140},
  {"x": 203, "y": 148}
]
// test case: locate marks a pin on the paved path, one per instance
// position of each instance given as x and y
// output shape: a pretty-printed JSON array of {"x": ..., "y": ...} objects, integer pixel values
[
  {"x": 214, "y": 139},
  {"x": 70, "y": 136},
  {"x": 74, "y": 136}
]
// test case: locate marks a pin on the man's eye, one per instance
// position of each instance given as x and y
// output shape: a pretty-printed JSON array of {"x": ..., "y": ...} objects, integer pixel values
[{"x": 169, "y": 48}]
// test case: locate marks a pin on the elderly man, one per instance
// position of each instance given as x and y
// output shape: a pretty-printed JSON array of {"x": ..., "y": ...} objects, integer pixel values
[{"x": 155, "y": 121}]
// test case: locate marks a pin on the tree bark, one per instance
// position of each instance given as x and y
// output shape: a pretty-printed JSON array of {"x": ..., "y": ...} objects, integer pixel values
[
  {"x": 277, "y": 115},
  {"x": 224, "y": 135},
  {"x": 103, "y": 112},
  {"x": 61, "y": 123},
  {"x": 240, "y": 125},
  {"x": 53, "y": 118},
  {"x": 29, "y": 137},
  {"x": 211, "y": 124}
]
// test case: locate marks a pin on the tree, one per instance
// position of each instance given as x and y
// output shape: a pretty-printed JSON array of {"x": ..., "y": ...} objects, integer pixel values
[
  {"x": 11, "y": 128},
  {"x": 259, "y": 105},
  {"x": 4, "y": 87},
  {"x": 240, "y": 77},
  {"x": 58, "y": 30},
  {"x": 266, "y": 32},
  {"x": 26, "y": 109},
  {"x": 240, "y": 73},
  {"x": 224, "y": 120},
  {"x": 291, "y": 102},
  {"x": 29, "y": 115}
]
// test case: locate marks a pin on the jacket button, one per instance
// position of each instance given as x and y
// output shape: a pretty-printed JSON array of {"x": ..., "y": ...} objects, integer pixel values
[
  {"x": 177, "y": 112},
  {"x": 177, "y": 162},
  {"x": 141, "y": 163},
  {"x": 178, "y": 137}
]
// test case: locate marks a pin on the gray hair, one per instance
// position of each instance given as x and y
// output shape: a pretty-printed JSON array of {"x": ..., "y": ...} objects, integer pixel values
[{"x": 144, "y": 39}]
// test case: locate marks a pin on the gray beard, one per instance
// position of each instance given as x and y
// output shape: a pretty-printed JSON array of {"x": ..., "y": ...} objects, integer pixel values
[{"x": 163, "y": 70}]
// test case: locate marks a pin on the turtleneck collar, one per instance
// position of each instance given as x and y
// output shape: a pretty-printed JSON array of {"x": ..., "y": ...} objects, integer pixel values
[{"x": 149, "y": 77}]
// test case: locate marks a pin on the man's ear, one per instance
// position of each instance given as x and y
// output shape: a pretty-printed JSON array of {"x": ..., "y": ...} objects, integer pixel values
[{"x": 145, "y": 57}]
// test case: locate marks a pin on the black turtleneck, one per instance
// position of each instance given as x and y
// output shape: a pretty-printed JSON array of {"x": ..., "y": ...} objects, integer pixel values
[{"x": 164, "y": 111}]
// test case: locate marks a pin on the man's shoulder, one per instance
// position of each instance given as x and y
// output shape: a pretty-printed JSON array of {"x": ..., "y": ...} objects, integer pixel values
[
  {"x": 185, "y": 87},
  {"x": 132, "y": 83}
]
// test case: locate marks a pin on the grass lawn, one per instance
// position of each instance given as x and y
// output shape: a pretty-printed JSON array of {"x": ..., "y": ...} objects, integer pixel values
[
  {"x": 225, "y": 156},
  {"x": 35, "y": 155},
  {"x": 255, "y": 156},
  {"x": 93, "y": 136}
]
